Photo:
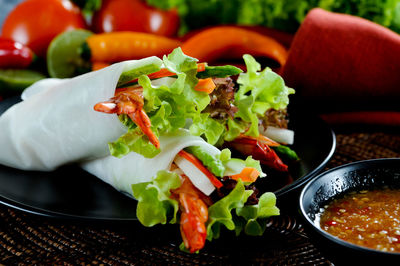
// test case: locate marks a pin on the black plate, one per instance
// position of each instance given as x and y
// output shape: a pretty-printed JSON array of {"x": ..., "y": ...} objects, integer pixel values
[{"x": 70, "y": 192}]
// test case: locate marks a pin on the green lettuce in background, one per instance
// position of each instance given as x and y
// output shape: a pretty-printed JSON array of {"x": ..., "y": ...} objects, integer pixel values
[{"x": 284, "y": 15}]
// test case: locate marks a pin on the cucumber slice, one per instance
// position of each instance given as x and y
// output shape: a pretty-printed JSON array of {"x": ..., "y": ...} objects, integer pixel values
[
  {"x": 16, "y": 80},
  {"x": 64, "y": 54}
]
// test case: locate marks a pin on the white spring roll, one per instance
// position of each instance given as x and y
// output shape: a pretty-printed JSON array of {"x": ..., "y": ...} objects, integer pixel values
[
  {"x": 133, "y": 168},
  {"x": 56, "y": 123}
]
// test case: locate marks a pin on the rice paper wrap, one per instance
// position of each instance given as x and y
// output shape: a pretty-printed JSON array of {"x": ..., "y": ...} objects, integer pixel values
[
  {"x": 40, "y": 86},
  {"x": 133, "y": 168},
  {"x": 56, "y": 123}
]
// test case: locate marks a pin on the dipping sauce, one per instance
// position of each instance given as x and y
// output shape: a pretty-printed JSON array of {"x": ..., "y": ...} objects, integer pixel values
[{"x": 366, "y": 218}]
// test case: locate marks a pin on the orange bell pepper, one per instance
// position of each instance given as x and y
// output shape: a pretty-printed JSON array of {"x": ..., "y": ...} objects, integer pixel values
[{"x": 119, "y": 46}]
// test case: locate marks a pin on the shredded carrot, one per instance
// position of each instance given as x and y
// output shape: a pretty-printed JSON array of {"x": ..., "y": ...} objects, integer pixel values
[
  {"x": 248, "y": 174},
  {"x": 161, "y": 74},
  {"x": 205, "y": 85},
  {"x": 196, "y": 162}
]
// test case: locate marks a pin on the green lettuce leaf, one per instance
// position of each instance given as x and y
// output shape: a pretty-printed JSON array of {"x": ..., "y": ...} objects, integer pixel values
[
  {"x": 232, "y": 213},
  {"x": 168, "y": 106},
  {"x": 208, "y": 127},
  {"x": 220, "y": 213},
  {"x": 154, "y": 203},
  {"x": 254, "y": 215},
  {"x": 235, "y": 127},
  {"x": 174, "y": 102},
  {"x": 135, "y": 141},
  {"x": 212, "y": 163},
  {"x": 258, "y": 92}
]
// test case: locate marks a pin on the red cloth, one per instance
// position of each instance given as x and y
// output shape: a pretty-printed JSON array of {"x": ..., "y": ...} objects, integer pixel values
[{"x": 339, "y": 62}]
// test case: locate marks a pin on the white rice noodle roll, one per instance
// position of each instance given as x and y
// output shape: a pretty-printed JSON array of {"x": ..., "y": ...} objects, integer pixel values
[
  {"x": 133, "y": 168},
  {"x": 56, "y": 123}
]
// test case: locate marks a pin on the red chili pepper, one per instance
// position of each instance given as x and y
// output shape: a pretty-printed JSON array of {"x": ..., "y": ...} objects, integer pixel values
[
  {"x": 14, "y": 54},
  {"x": 259, "y": 150}
]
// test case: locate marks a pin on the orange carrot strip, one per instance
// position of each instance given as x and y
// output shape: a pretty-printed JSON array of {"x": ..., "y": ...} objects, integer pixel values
[
  {"x": 196, "y": 162},
  {"x": 248, "y": 174},
  {"x": 205, "y": 85}
]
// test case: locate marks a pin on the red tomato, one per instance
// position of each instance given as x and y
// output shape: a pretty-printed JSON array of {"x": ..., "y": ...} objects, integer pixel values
[
  {"x": 135, "y": 15},
  {"x": 35, "y": 23}
]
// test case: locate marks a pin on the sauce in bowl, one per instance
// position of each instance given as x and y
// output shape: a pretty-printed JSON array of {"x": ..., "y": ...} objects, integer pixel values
[{"x": 366, "y": 218}]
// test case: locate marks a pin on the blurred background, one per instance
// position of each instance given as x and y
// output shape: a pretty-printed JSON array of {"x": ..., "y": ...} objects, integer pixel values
[
  {"x": 6, "y": 7},
  {"x": 57, "y": 44}
]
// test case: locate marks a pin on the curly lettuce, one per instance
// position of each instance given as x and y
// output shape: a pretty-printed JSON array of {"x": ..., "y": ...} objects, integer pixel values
[
  {"x": 155, "y": 205},
  {"x": 258, "y": 92},
  {"x": 170, "y": 104},
  {"x": 232, "y": 213}
]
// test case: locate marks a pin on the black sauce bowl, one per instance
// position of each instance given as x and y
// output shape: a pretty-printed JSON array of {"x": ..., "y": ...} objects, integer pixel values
[{"x": 323, "y": 188}]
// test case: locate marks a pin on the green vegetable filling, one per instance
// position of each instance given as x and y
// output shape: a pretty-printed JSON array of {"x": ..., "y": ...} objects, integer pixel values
[{"x": 175, "y": 102}]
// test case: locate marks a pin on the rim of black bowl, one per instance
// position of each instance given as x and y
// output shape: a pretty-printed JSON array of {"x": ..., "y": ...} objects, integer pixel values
[
  {"x": 310, "y": 175},
  {"x": 326, "y": 234}
]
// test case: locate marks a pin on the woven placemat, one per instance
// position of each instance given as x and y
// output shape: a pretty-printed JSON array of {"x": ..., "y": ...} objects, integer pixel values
[{"x": 27, "y": 239}]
